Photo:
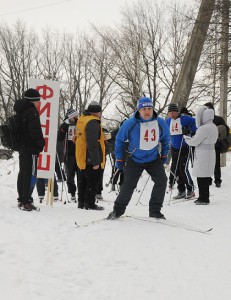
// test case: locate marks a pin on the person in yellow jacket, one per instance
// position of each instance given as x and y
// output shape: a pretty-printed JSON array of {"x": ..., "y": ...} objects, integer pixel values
[{"x": 90, "y": 155}]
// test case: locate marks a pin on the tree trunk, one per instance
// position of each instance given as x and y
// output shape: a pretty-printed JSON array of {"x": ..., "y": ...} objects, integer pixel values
[
  {"x": 193, "y": 53},
  {"x": 224, "y": 65}
]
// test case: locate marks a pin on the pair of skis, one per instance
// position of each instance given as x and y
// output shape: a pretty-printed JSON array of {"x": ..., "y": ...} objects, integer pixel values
[{"x": 151, "y": 220}]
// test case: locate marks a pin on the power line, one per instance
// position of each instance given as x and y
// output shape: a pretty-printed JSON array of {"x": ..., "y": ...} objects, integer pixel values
[{"x": 33, "y": 8}]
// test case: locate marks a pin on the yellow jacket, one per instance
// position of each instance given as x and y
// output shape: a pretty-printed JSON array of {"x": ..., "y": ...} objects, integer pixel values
[{"x": 81, "y": 142}]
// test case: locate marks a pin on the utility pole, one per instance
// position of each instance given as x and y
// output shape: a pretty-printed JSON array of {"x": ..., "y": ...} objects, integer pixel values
[
  {"x": 193, "y": 53},
  {"x": 225, "y": 8}
]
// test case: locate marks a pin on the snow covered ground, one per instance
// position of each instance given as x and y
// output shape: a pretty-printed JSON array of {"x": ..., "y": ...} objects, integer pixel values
[{"x": 46, "y": 256}]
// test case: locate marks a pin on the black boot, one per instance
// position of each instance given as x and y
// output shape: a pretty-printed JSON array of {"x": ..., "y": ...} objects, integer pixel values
[
  {"x": 28, "y": 206},
  {"x": 80, "y": 205},
  {"x": 112, "y": 216},
  {"x": 201, "y": 202},
  {"x": 94, "y": 207},
  {"x": 157, "y": 215}
]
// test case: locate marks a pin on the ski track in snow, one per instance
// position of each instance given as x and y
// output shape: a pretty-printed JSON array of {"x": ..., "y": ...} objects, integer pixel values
[{"x": 46, "y": 256}]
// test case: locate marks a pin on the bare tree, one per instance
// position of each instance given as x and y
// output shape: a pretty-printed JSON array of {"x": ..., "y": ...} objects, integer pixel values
[
  {"x": 103, "y": 70},
  {"x": 141, "y": 56},
  {"x": 124, "y": 43},
  {"x": 51, "y": 55},
  {"x": 215, "y": 65},
  {"x": 78, "y": 63},
  {"x": 194, "y": 49},
  {"x": 144, "y": 65},
  {"x": 17, "y": 48}
]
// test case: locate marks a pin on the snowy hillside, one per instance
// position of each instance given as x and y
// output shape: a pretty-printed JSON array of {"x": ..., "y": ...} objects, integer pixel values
[{"x": 45, "y": 256}]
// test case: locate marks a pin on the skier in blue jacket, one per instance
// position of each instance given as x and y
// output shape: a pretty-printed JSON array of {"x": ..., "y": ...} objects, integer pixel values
[
  {"x": 148, "y": 145},
  {"x": 180, "y": 125}
]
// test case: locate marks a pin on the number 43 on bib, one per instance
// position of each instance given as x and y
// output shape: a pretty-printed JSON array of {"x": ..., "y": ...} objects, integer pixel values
[{"x": 149, "y": 135}]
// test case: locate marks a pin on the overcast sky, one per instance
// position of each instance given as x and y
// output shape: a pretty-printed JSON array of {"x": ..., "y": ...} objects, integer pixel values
[{"x": 67, "y": 15}]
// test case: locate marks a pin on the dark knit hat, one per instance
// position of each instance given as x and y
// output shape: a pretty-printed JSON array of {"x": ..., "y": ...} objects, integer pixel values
[
  {"x": 71, "y": 113},
  {"x": 94, "y": 107},
  {"x": 209, "y": 105},
  {"x": 172, "y": 107},
  {"x": 184, "y": 110},
  {"x": 32, "y": 95}
]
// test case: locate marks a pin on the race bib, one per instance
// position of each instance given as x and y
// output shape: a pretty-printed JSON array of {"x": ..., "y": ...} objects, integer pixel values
[
  {"x": 149, "y": 135},
  {"x": 71, "y": 132},
  {"x": 175, "y": 127}
]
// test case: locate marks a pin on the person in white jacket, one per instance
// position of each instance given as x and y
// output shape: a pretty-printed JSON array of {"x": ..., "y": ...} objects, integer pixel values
[{"x": 204, "y": 157}]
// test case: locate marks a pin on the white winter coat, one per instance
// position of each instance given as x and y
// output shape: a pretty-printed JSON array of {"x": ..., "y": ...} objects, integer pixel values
[{"x": 204, "y": 141}]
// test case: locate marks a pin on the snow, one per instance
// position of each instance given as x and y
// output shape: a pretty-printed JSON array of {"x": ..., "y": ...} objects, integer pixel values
[{"x": 46, "y": 256}]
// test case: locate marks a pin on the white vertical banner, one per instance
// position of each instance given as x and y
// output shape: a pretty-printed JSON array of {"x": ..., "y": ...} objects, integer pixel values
[{"x": 48, "y": 110}]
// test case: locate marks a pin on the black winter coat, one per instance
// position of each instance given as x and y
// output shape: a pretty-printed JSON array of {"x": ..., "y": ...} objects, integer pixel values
[
  {"x": 63, "y": 136},
  {"x": 32, "y": 136},
  {"x": 220, "y": 121},
  {"x": 94, "y": 152}
]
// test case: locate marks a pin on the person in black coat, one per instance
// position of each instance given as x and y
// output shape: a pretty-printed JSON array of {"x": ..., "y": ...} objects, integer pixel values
[
  {"x": 217, "y": 171},
  {"x": 116, "y": 175},
  {"x": 66, "y": 134},
  {"x": 32, "y": 143},
  {"x": 90, "y": 156}
]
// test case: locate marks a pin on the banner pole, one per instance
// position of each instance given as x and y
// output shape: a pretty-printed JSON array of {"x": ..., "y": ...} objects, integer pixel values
[
  {"x": 52, "y": 192},
  {"x": 48, "y": 191}
]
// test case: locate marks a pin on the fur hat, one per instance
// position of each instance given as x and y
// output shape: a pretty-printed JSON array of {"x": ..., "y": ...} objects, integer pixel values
[
  {"x": 94, "y": 107},
  {"x": 144, "y": 102},
  {"x": 71, "y": 113},
  {"x": 31, "y": 95},
  {"x": 172, "y": 107}
]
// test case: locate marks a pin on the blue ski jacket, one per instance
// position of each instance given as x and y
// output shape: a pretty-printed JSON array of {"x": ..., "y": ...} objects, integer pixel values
[
  {"x": 188, "y": 126},
  {"x": 130, "y": 132}
]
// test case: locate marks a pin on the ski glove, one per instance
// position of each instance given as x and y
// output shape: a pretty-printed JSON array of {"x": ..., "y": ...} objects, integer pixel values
[
  {"x": 120, "y": 164},
  {"x": 164, "y": 159},
  {"x": 186, "y": 131}
]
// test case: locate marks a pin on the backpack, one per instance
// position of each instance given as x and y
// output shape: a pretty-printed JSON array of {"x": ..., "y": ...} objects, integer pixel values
[
  {"x": 224, "y": 139},
  {"x": 11, "y": 133}
]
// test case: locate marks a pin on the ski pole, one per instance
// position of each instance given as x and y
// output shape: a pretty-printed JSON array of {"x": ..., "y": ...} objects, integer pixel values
[
  {"x": 63, "y": 183},
  {"x": 142, "y": 191},
  {"x": 113, "y": 177},
  {"x": 192, "y": 155},
  {"x": 174, "y": 174}
]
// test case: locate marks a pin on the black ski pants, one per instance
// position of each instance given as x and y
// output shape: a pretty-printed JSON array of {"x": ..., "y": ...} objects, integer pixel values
[
  {"x": 100, "y": 185},
  {"x": 217, "y": 170},
  {"x": 203, "y": 186},
  {"x": 27, "y": 169},
  {"x": 71, "y": 171},
  {"x": 179, "y": 167},
  {"x": 131, "y": 177},
  {"x": 88, "y": 183}
]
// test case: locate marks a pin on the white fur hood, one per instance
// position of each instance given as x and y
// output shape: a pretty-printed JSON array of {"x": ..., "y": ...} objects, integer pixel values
[{"x": 204, "y": 115}]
